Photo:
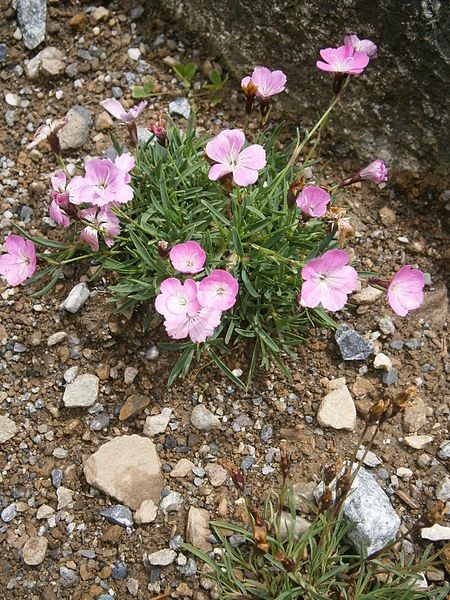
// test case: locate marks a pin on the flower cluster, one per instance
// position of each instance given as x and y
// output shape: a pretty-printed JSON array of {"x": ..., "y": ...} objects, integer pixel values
[{"x": 194, "y": 308}]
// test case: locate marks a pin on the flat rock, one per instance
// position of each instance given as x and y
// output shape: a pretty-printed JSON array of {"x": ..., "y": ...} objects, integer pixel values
[
  {"x": 146, "y": 513},
  {"x": 352, "y": 345},
  {"x": 126, "y": 468},
  {"x": 133, "y": 405},
  {"x": 183, "y": 467},
  {"x": 49, "y": 62},
  {"x": 119, "y": 515},
  {"x": 337, "y": 410},
  {"x": 156, "y": 424},
  {"x": 368, "y": 508},
  {"x": 370, "y": 460},
  {"x": 31, "y": 15},
  {"x": 415, "y": 416},
  {"x": 437, "y": 533},
  {"x": 444, "y": 450},
  {"x": 197, "y": 529},
  {"x": 8, "y": 429},
  {"x": 172, "y": 502},
  {"x": 56, "y": 338},
  {"x": 217, "y": 475},
  {"x": 367, "y": 295},
  {"x": 418, "y": 441},
  {"x": 203, "y": 419},
  {"x": 34, "y": 550},
  {"x": 162, "y": 558},
  {"x": 82, "y": 392},
  {"x": 443, "y": 491},
  {"x": 77, "y": 297},
  {"x": 76, "y": 133}
]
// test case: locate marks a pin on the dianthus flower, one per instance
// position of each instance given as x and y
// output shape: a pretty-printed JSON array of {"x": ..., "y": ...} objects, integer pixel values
[
  {"x": 198, "y": 326},
  {"x": 104, "y": 221},
  {"x": 268, "y": 83},
  {"x": 115, "y": 108},
  {"x": 177, "y": 299},
  {"x": 313, "y": 201},
  {"x": 60, "y": 199},
  {"x": 405, "y": 290},
  {"x": 188, "y": 257},
  {"x": 19, "y": 261},
  {"x": 328, "y": 280},
  {"x": 105, "y": 182},
  {"x": 358, "y": 45},
  {"x": 376, "y": 171},
  {"x": 226, "y": 150},
  {"x": 218, "y": 290},
  {"x": 343, "y": 60},
  {"x": 49, "y": 132}
]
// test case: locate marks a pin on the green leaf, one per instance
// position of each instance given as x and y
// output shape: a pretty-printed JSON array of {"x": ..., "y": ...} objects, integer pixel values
[
  {"x": 215, "y": 77},
  {"x": 248, "y": 284},
  {"x": 138, "y": 92},
  {"x": 149, "y": 85},
  {"x": 226, "y": 371},
  {"x": 182, "y": 365},
  {"x": 50, "y": 285}
]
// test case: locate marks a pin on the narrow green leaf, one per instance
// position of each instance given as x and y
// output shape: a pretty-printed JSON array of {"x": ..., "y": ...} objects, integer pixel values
[
  {"x": 226, "y": 371},
  {"x": 182, "y": 365}
]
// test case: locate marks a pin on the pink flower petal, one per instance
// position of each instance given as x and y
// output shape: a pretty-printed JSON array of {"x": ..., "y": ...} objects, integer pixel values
[
  {"x": 243, "y": 176},
  {"x": 114, "y": 107},
  {"x": 188, "y": 257},
  {"x": 253, "y": 157},
  {"x": 218, "y": 171}
]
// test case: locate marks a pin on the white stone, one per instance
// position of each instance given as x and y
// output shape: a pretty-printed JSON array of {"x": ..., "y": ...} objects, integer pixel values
[
  {"x": 8, "y": 429},
  {"x": 56, "y": 338},
  {"x": 45, "y": 512},
  {"x": 337, "y": 410},
  {"x": 335, "y": 384},
  {"x": 418, "y": 441},
  {"x": 129, "y": 375},
  {"x": 65, "y": 497},
  {"x": 404, "y": 472},
  {"x": 172, "y": 502},
  {"x": 182, "y": 468},
  {"x": 126, "y": 468},
  {"x": 301, "y": 525},
  {"x": 371, "y": 459},
  {"x": 156, "y": 424},
  {"x": 100, "y": 13},
  {"x": 443, "y": 491},
  {"x": 134, "y": 53},
  {"x": 82, "y": 392},
  {"x": 162, "y": 557},
  {"x": 146, "y": 513},
  {"x": 12, "y": 99},
  {"x": 76, "y": 298},
  {"x": 437, "y": 533},
  {"x": 203, "y": 419},
  {"x": 381, "y": 361}
]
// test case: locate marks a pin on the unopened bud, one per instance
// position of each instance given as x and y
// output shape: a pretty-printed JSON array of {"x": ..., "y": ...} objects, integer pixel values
[{"x": 163, "y": 248}]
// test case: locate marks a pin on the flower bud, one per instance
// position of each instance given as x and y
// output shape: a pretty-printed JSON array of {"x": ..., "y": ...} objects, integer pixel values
[{"x": 163, "y": 248}]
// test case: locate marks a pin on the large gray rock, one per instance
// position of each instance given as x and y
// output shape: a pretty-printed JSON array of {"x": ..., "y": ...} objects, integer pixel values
[
  {"x": 76, "y": 133},
  {"x": 368, "y": 508},
  {"x": 31, "y": 15},
  {"x": 396, "y": 110}
]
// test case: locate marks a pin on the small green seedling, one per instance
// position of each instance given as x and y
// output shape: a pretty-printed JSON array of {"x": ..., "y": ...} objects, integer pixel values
[
  {"x": 143, "y": 91},
  {"x": 185, "y": 73}
]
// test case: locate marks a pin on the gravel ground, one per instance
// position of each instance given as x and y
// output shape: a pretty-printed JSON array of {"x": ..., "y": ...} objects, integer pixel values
[{"x": 54, "y": 541}]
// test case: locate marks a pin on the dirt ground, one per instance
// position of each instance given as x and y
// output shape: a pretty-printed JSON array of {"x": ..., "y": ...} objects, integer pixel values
[{"x": 393, "y": 227}]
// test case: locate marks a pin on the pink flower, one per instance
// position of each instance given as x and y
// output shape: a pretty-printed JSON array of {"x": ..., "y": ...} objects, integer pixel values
[
  {"x": 58, "y": 214},
  {"x": 49, "y": 132},
  {"x": 226, "y": 150},
  {"x": 269, "y": 83},
  {"x": 188, "y": 257},
  {"x": 358, "y": 45},
  {"x": 115, "y": 108},
  {"x": 343, "y": 60},
  {"x": 177, "y": 299},
  {"x": 313, "y": 201},
  {"x": 376, "y": 171},
  {"x": 19, "y": 261},
  {"x": 327, "y": 281},
  {"x": 198, "y": 326},
  {"x": 105, "y": 182},
  {"x": 218, "y": 290},
  {"x": 60, "y": 192},
  {"x": 405, "y": 291},
  {"x": 103, "y": 221}
]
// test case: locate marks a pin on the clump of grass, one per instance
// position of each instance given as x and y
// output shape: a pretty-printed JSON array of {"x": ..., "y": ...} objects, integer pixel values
[{"x": 273, "y": 562}]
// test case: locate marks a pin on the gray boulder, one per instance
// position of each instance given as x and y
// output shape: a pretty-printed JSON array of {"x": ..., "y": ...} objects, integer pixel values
[
  {"x": 31, "y": 15},
  {"x": 368, "y": 508},
  {"x": 396, "y": 110}
]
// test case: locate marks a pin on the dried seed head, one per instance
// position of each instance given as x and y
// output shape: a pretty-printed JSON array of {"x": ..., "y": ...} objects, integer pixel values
[
  {"x": 287, "y": 562},
  {"x": 329, "y": 473},
  {"x": 377, "y": 411},
  {"x": 326, "y": 499},
  {"x": 403, "y": 399},
  {"x": 285, "y": 461},
  {"x": 163, "y": 248},
  {"x": 236, "y": 474},
  {"x": 344, "y": 482},
  {"x": 294, "y": 190}
]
